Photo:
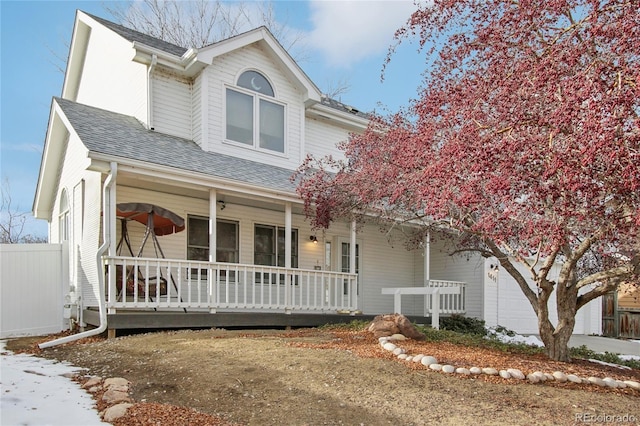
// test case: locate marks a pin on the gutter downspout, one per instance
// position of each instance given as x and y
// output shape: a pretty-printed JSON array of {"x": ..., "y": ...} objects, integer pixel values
[
  {"x": 106, "y": 220},
  {"x": 154, "y": 61}
]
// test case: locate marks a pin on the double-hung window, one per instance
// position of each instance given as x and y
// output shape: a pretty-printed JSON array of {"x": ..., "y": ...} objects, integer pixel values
[
  {"x": 253, "y": 117},
  {"x": 227, "y": 248},
  {"x": 269, "y": 249}
]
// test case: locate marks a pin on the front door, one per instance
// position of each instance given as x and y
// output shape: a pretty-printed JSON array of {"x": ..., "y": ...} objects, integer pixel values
[{"x": 344, "y": 262}]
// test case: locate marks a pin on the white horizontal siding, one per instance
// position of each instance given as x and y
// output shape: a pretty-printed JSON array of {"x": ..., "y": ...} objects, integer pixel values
[
  {"x": 322, "y": 138},
  {"x": 83, "y": 189},
  {"x": 110, "y": 79},
  {"x": 197, "y": 110},
  {"x": 90, "y": 240},
  {"x": 171, "y": 103}
]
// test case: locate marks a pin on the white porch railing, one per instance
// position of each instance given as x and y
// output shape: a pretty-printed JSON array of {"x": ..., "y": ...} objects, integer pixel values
[
  {"x": 450, "y": 297},
  {"x": 141, "y": 283},
  {"x": 453, "y": 303}
]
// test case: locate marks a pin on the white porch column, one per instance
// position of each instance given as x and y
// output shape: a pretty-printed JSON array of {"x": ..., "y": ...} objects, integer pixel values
[
  {"x": 213, "y": 212},
  {"x": 111, "y": 215},
  {"x": 352, "y": 265},
  {"x": 427, "y": 270},
  {"x": 287, "y": 255},
  {"x": 352, "y": 249},
  {"x": 287, "y": 235},
  {"x": 212, "y": 276}
]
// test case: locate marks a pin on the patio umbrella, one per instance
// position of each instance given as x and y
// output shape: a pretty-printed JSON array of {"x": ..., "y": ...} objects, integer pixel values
[
  {"x": 156, "y": 218},
  {"x": 158, "y": 221}
]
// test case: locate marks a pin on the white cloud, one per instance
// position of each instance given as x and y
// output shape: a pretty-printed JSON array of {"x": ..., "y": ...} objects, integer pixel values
[{"x": 349, "y": 31}]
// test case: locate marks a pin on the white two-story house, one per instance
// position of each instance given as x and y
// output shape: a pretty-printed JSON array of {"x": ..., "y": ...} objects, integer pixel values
[{"x": 168, "y": 173}]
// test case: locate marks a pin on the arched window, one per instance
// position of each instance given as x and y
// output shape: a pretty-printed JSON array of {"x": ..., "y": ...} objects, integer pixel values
[
  {"x": 253, "y": 117},
  {"x": 63, "y": 218},
  {"x": 255, "y": 81}
]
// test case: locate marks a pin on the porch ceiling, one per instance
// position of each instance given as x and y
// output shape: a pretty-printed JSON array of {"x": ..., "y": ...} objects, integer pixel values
[{"x": 202, "y": 193}]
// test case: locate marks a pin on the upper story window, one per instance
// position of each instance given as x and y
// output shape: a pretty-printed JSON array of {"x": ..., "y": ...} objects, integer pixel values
[{"x": 254, "y": 117}]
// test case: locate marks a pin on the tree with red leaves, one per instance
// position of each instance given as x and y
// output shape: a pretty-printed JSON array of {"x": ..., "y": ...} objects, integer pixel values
[{"x": 525, "y": 139}]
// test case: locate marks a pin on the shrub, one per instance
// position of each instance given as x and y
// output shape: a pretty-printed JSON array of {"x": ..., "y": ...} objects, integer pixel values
[
  {"x": 586, "y": 353},
  {"x": 462, "y": 324}
]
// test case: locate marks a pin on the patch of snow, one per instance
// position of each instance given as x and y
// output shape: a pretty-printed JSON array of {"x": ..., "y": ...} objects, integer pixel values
[
  {"x": 517, "y": 338},
  {"x": 624, "y": 367},
  {"x": 629, "y": 357},
  {"x": 35, "y": 392}
]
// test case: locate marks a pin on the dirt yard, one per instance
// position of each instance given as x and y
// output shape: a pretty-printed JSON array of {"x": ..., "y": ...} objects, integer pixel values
[{"x": 316, "y": 377}]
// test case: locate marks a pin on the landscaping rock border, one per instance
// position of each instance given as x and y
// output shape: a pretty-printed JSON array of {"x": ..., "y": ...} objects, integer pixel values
[
  {"x": 114, "y": 393},
  {"x": 390, "y": 344}
]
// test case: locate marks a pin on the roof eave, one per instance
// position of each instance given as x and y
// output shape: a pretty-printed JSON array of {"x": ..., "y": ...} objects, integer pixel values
[
  {"x": 58, "y": 132},
  {"x": 344, "y": 118},
  {"x": 99, "y": 162},
  {"x": 187, "y": 64},
  {"x": 76, "y": 56}
]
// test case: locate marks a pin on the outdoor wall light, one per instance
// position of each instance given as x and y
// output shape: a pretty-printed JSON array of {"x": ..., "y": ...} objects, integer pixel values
[
  {"x": 313, "y": 239},
  {"x": 222, "y": 204}
]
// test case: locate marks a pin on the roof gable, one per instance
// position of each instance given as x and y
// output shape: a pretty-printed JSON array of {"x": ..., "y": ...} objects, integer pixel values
[
  {"x": 136, "y": 36},
  {"x": 273, "y": 48},
  {"x": 122, "y": 138}
]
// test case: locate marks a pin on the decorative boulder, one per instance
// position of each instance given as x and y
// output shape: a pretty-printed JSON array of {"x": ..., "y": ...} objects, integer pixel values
[
  {"x": 515, "y": 373},
  {"x": 428, "y": 360},
  {"x": 533, "y": 378},
  {"x": 115, "y": 412},
  {"x": 597, "y": 381},
  {"x": 389, "y": 346},
  {"x": 559, "y": 376},
  {"x": 504, "y": 374},
  {"x": 388, "y": 325},
  {"x": 632, "y": 384},
  {"x": 490, "y": 371},
  {"x": 573, "y": 378}
]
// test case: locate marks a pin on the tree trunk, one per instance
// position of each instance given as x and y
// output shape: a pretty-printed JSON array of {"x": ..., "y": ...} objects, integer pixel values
[
  {"x": 556, "y": 339},
  {"x": 557, "y": 346}
]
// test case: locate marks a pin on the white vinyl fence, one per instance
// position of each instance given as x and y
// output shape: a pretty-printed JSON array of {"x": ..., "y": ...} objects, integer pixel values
[{"x": 33, "y": 281}]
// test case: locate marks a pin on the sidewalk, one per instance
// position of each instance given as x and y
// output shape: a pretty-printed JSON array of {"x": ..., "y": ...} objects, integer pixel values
[{"x": 606, "y": 344}]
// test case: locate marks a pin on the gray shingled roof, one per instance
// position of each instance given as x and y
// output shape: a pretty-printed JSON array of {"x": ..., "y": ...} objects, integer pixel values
[
  {"x": 123, "y": 136},
  {"x": 148, "y": 40},
  {"x": 344, "y": 107}
]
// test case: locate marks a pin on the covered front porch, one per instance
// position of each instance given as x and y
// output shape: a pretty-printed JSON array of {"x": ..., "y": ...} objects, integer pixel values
[{"x": 246, "y": 258}]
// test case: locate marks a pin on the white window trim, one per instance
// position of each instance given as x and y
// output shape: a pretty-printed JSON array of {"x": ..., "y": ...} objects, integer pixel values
[
  {"x": 218, "y": 218},
  {"x": 276, "y": 227},
  {"x": 64, "y": 217},
  {"x": 256, "y": 121}
]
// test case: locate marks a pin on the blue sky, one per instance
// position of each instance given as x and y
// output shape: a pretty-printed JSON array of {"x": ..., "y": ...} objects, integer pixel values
[{"x": 346, "y": 40}]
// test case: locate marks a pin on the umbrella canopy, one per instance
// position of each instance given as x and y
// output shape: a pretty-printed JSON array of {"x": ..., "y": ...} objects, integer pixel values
[{"x": 162, "y": 221}]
